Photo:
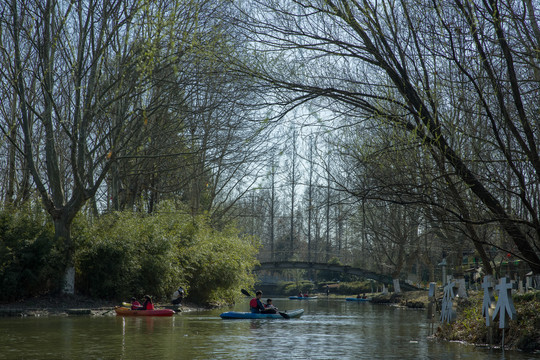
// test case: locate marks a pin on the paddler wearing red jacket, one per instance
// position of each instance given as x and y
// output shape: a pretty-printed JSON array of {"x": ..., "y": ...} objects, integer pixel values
[
  {"x": 147, "y": 305},
  {"x": 135, "y": 305},
  {"x": 256, "y": 304}
]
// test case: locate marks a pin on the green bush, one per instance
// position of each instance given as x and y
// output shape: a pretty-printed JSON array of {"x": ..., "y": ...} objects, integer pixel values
[
  {"x": 217, "y": 263},
  {"x": 106, "y": 269},
  {"x": 523, "y": 332},
  {"x": 292, "y": 288},
  {"x": 31, "y": 261},
  {"x": 351, "y": 288},
  {"x": 126, "y": 254},
  {"x": 528, "y": 296}
]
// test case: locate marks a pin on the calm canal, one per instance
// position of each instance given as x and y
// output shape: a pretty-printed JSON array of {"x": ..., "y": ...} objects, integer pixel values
[{"x": 329, "y": 329}]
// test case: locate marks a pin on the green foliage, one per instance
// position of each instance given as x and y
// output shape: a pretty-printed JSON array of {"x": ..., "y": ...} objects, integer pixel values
[
  {"x": 352, "y": 288},
  {"x": 526, "y": 330},
  {"x": 126, "y": 254},
  {"x": 292, "y": 288},
  {"x": 523, "y": 334},
  {"x": 31, "y": 261},
  {"x": 529, "y": 296},
  {"x": 217, "y": 263}
]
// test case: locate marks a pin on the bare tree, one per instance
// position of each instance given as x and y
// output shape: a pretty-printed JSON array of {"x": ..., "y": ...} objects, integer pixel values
[{"x": 393, "y": 64}]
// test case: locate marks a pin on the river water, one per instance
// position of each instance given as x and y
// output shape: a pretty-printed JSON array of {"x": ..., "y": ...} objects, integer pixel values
[{"x": 329, "y": 329}]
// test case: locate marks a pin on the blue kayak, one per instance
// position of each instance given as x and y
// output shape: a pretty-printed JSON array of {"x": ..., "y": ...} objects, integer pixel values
[
  {"x": 248, "y": 315},
  {"x": 357, "y": 299},
  {"x": 302, "y": 297}
]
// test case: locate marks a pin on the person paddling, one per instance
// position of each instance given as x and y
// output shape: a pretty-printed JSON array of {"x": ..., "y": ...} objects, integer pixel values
[
  {"x": 135, "y": 305},
  {"x": 148, "y": 304},
  {"x": 255, "y": 304},
  {"x": 270, "y": 308}
]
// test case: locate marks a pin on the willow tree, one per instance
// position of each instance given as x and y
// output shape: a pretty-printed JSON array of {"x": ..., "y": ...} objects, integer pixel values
[
  {"x": 460, "y": 78},
  {"x": 115, "y": 100},
  {"x": 85, "y": 75},
  {"x": 201, "y": 145},
  {"x": 65, "y": 48}
]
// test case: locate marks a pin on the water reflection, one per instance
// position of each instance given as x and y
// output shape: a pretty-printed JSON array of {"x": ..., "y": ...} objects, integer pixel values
[{"x": 329, "y": 329}]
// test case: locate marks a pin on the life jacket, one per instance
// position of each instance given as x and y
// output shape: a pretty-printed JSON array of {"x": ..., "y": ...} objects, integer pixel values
[
  {"x": 253, "y": 303},
  {"x": 148, "y": 305},
  {"x": 135, "y": 305}
]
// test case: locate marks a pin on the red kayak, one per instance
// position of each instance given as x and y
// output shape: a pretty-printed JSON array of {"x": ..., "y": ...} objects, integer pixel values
[{"x": 120, "y": 310}]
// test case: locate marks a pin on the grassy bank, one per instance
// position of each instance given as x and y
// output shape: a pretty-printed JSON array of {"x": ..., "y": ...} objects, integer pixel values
[
  {"x": 411, "y": 299},
  {"x": 523, "y": 333}
]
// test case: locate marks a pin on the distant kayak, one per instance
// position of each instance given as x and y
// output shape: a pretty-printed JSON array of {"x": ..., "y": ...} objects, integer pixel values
[
  {"x": 124, "y": 311},
  {"x": 248, "y": 315},
  {"x": 302, "y": 297},
  {"x": 357, "y": 299}
]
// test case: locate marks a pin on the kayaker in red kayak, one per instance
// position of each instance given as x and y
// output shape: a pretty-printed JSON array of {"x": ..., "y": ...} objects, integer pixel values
[
  {"x": 147, "y": 305},
  {"x": 135, "y": 305}
]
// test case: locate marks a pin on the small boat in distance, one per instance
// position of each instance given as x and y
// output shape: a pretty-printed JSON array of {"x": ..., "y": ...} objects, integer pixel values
[
  {"x": 357, "y": 299},
  {"x": 302, "y": 297}
]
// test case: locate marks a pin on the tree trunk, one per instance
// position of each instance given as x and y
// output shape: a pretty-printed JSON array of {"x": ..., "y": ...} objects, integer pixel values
[
  {"x": 397, "y": 287},
  {"x": 9, "y": 199},
  {"x": 62, "y": 231},
  {"x": 431, "y": 273}
]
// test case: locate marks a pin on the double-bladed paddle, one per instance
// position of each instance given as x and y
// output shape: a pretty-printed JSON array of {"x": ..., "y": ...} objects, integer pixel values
[{"x": 284, "y": 315}]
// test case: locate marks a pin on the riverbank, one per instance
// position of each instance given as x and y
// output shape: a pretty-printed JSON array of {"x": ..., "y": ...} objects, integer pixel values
[
  {"x": 64, "y": 305},
  {"x": 470, "y": 327},
  {"x": 409, "y": 299},
  {"x": 523, "y": 332}
]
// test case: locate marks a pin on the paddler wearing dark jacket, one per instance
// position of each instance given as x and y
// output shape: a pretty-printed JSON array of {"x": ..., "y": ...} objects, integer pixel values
[{"x": 256, "y": 305}]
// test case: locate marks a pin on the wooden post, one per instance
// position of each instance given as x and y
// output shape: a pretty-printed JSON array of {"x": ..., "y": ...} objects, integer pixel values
[
  {"x": 488, "y": 306},
  {"x": 448, "y": 314},
  {"x": 505, "y": 306},
  {"x": 432, "y": 306}
]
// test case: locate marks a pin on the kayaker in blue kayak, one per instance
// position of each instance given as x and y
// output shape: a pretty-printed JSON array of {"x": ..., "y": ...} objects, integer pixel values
[
  {"x": 269, "y": 307},
  {"x": 256, "y": 305}
]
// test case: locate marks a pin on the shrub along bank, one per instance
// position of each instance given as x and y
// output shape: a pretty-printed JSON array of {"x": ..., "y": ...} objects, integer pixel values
[
  {"x": 31, "y": 261},
  {"x": 291, "y": 288},
  {"x": 127, "y": 254},
  {"x": 470, "y": 326}
]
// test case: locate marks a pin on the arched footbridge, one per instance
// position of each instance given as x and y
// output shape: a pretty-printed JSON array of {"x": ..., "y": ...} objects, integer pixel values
[{"x": 282, "y": 265}]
